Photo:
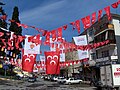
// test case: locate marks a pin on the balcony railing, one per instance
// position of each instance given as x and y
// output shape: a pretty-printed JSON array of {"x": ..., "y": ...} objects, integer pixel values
[{"x": 110, "y": 58}]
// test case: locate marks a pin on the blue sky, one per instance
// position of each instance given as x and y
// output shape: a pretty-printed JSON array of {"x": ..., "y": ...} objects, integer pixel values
[{"x": 51, "y": 14}]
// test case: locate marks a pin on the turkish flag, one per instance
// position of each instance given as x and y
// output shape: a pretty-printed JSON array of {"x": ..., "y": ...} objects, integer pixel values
[
  {"x": 59, "y": 39},
  {"x": 77, "y": 24},
  {"x": 28, "y": 62},
  {"x": 47, "y": 38},
  {"x": 107, "y": 10},
  {"x": 99, "y": 14},
  {"x": 65, "y": 27},
  {"x": 52, "y": 62},
  {"x": 115, "y": 5},
  {"x": 53, "y": 32},
  {"x": 93, "y": 17},
  {"x": 86, "y": 22}
]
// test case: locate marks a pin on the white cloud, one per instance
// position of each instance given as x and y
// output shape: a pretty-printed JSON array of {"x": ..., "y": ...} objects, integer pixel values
[{"x": 40, "y": 13}]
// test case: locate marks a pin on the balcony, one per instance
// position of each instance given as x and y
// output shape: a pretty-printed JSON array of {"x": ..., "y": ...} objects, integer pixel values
[
  {"x": 110, "y": 58},
  {"x": 102, "y": 59}
]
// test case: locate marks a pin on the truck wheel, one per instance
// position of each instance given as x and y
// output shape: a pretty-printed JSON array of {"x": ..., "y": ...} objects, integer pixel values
[{"x": 69, "y": 83}]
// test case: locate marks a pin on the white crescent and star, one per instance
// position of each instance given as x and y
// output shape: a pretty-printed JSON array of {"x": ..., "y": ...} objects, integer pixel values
[
  {"x": 31, "y": 55},
  {"x": 49, "y": 57},
  {"x": 27, "y": 59},
  {"x": 52, "y": 61},
  {"x": 55, "y": 56}
]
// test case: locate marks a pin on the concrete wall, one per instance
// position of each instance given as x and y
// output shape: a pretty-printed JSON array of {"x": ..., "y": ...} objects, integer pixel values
[{"x": 116, "y": 24}]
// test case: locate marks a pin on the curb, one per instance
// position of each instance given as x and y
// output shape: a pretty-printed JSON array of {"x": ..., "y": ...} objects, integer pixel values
[{"x": 4, "y": 79}]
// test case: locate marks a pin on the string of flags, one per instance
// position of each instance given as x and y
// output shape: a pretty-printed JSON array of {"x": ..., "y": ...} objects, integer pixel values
[
  {"x": 87, "y": 21},
  {"x": 53, "y": 57},
  {"x": 15, "y": 40},
  {"x": 57, "y": 33}
]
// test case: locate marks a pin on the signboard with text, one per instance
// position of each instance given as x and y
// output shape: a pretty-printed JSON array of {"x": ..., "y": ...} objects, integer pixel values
[
  {"x": 81, "y": 40},
  {"x": 116, "y": 74}
]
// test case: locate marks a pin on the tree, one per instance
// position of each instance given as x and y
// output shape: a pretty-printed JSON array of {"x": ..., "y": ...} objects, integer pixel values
[
  {"x": 14, "y": 27},
  {"x": 3, "y": 23}
]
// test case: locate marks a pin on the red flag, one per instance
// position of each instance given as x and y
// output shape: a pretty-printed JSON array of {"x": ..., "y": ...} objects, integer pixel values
[
  {"x": 47, "y": 40},
  {"x": 19, "y": 25},
  {"x": 73, "y": 24},
  {"x": 44, "y": 32},
  {"x": 86, "y": 22},
  {"x": 115, "y": 5},
  {"x": 28, "y": 62},
  {"x": 107, "y": 10},
  {"x": 99, "y": 14},
  {"x": 53, "y": 32},
  {"x": 21, "y": 38},
  {"x": 9, "y": 43},
  {"x": 30, "y": 38},
  {"x": 93, "y": 17},
  {"x": 118, "y": 1},
  {"x": 77, "y": 24},
  {"x": 59, "y": 34},
  {"x": 4, "y": 17},
  {"x": 64, "y": 27},
  {"x": 17, "y": 44},
  {"x": 11, "y": 20},
  {"x": 36, "y": 39},
  {"x": 3, "y": 41},
  {"x": 23, "y": 25},
  {"x": 1, "y": 34},
  {"x": 52, "y": 62}
]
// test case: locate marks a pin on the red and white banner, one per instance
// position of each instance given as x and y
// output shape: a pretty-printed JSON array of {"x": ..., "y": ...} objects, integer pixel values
[
  {"x": 81, "y": 40},
  {"x": 52, "y": 62},
  {"x": 42, "y": 63},
  {"x": 31, "y": 46},
  {"x": 28, "y": 62},
  {"x": 55, "y": 45}
]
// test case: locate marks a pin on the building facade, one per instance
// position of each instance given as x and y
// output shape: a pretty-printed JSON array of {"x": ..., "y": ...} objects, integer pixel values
[{"x": 101, "y": 31}]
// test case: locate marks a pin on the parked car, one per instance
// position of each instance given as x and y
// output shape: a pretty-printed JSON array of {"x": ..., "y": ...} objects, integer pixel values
[
  {"x": 54, "y": 78},
  {"x": 46, "y": 77},
  {"x": 32, "y": 79},
  {"x": 19, "y": 76},
  {"x": 42, "y": 77},
  {"x": 73, "y": 81},
  {"x": 61, "y": 80}
]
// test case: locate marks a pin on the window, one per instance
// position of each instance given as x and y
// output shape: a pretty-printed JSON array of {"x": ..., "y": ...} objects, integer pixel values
[
  {"x": 105, "y": 53},
  {"x": 111, "y": 35},
  {"x": 91, "y": 32},
  {"x": 93, "y": 56}
]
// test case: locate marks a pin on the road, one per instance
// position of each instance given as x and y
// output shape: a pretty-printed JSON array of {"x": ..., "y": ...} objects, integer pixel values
[{"x": 40, "y": 84}]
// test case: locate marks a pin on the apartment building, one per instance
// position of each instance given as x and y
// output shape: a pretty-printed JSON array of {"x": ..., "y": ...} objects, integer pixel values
[{"x": 100, "y": 31}]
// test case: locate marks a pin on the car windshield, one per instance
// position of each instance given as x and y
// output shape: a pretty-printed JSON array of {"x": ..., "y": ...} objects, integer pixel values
[{"x": 61, "y": 78}]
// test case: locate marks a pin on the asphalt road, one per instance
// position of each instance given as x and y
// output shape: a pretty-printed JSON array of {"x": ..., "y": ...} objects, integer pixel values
[{"x": 40, "y": 84}]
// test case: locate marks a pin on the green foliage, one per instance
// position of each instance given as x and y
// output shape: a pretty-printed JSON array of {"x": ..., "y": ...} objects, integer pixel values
[
  {"x": 3, "y": 23},
  {"x": 14, "y": 27}
]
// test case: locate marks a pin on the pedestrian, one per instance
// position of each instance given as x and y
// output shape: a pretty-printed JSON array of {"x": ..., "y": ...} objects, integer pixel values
[{"x": 91, "y": 81}]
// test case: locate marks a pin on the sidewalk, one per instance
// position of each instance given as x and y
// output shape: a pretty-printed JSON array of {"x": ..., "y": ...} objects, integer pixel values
[{"x": 8, "y": 78}]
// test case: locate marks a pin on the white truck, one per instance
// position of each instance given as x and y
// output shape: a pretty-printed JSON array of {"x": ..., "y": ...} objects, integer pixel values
[{"x": 110, "y": 75}]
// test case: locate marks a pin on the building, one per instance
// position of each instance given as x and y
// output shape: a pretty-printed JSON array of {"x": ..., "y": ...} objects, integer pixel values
[{"x": 100, "y": 31}]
